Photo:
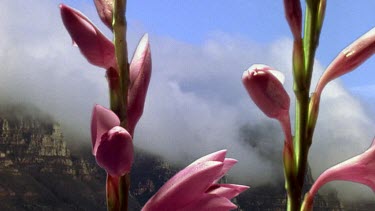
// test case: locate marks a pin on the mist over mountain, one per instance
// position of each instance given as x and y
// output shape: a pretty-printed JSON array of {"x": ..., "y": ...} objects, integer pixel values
[{"x": 41, "y": 170}]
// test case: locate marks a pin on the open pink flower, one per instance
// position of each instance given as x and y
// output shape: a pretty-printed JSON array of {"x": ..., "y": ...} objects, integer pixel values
[
  {"x": 105, "y": 11},
  {"x": 264, "y": 85},
  {"x": 359, "y": 169},
  {"x": 350, "y": 58},
  {"x": 112, "y": 145},
  {"x": 196, "y": 187},
  {"x": 96, "y": 48}
]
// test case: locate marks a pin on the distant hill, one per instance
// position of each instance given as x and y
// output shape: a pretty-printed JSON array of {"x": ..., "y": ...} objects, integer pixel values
[{"x": 38, "y": 171}]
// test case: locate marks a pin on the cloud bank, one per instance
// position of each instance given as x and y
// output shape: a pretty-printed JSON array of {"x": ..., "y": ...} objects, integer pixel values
[{"x": 196, "y": 103}]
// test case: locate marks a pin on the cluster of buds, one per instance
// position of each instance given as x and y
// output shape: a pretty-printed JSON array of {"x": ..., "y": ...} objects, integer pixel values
[{"x": 100, "y": 51}]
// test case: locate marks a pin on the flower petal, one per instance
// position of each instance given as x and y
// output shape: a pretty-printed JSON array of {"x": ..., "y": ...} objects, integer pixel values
[
  {"x": 210, "y": 202},
  {"x": 216, "y": 156},
  {"x": 228, "y": 191},
  {"x": 228, "y": 164},
  {"x": 97, "y": 49},
  {"x": 185, "y": 187},
  {"x": 350, "y": 58},
  {"x": 115, "y": 152},
  {"x": 102, "y": 120},
  {"x": 140, "y": 74},
  {"x": 293, "y": 14},
  {"x": 105, "y": 11},
  {"x": 266, "y": 91},
  {"x": 359, "y": 169}
]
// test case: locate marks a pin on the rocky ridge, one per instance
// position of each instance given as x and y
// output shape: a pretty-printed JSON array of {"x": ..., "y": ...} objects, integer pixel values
[{"x": 38, "y": 171}]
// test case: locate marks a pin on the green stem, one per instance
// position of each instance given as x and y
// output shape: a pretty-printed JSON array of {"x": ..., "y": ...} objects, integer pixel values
[
  {"x": 114, "y": 90},
  {"x": 124, "y": 187},
  {"x": 303, "y": 62},
  {"x": 112, "y": 193},
  {"x": 311, "y": 37},
  {"x": 121, "y": 51}
]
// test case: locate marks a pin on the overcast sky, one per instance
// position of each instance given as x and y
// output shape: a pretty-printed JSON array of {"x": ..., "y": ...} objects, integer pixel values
[{"x": 196, "y": 103}]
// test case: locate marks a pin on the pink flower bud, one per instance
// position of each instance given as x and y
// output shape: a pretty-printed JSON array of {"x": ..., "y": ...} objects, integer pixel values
[
  {"x": 195, "y": 187},
  {"x": 264, "y": 86},
  {"x": 293, "y": 14},
  {"x": 115, "y": 152},
  {"x": 97, "y": 49},
  {"x": 102, "y": 121},
  {"x": 350, "y": 58},
  {"x": 105, "y": 11},
  {"x": 140, "y": 74},
  {"x": 266, "y": 91},
  {"x": 359, "y": 169},
  {"x": 112, "y": 144}
]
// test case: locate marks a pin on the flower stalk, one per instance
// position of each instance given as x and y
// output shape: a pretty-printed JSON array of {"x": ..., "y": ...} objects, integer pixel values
[{"x": 121, "y": 53}]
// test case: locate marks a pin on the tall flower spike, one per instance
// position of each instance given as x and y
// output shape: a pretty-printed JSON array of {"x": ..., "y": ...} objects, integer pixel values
[
  {"x": 264, "y": 86},
  {"x": 96, "y": 48},
  {"x": 112, "y": 144},
  {"x": 140, "y": 74},
  {"x": 105, "y": 11},
  {"x": 359, "y": 169},
  {"x": 195, "y": 187},
  {"x": 350, "y": 58},
  {"x": 293, "y": 14}
]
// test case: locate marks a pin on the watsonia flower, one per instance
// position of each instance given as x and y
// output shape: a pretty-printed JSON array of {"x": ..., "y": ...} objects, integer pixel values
[
  {"x": 105, "y": 11},
  {"x": 94, "y": 46},
  {"x": 349, "y": 58},
  {"x": 359, "y": 169},
  {"x": 264, "y": 85},
  {"x": 196, "y": 187},
  {"x": 100, "y": 51},
  {"x": 112, "y": 145}
]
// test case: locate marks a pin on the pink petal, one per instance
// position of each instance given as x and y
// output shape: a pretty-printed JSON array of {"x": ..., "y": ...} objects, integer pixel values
[
  {"x": 210, "y": 202},
  {"x": 102, "y": 121},
  {"x": 97, "y": 49},
  {"x": 359, "y": 169},
  {"x": 293, "y": 14},
  {"x": 228, "y": 164},
  {"x": 350, "y": 58},
  {"x": 228, "y": 191},
  {"x": 185, "y": 187},
  {"x": 105, "y": 11},
  {"x": 216, "y": 156},
  {"x": 140, "y": 74},
  {"x": 115, "y": 152},
  {"x": 266, "y": 91}
]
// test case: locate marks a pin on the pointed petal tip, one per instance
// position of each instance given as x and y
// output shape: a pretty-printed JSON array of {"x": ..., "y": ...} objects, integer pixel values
[{"x": 145, "y": 37}]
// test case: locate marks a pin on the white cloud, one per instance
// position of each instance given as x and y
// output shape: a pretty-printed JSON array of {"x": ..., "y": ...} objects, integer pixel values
[{"x": 196, "y": 102}]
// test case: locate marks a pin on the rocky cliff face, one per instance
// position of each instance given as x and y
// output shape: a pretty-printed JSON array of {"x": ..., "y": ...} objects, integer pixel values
[{"x": 39, "y": 172}]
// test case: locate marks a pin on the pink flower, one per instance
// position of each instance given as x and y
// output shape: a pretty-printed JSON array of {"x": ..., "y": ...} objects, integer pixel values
[
  {"x": 105, "y": 11},
  {"x": 100, "y": 51},
  {"x": 196, "y": 188},
  {"x": 140, "y": 74},
  {"x": 293, "y": 14},
  {"x": 264, "y": 86},
  {"x": 350, "y": 58},
  {"x": 266, "y": 90},
  {"x": 359, "y": 169},
  {"x": 97, "y": 49},
  {"x": 112, "y": 145}
]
